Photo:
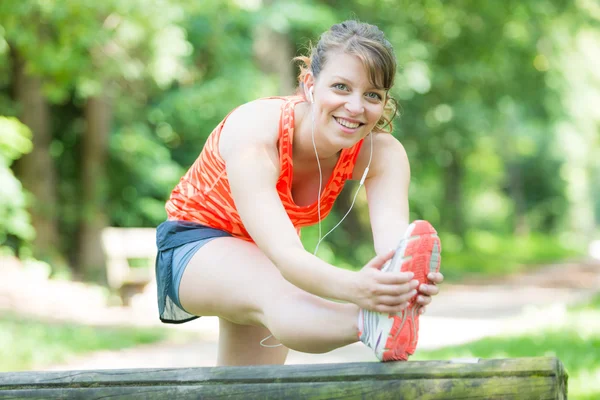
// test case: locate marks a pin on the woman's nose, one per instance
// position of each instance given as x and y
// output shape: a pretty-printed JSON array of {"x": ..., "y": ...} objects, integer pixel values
[{"x": 354, "y": 105}]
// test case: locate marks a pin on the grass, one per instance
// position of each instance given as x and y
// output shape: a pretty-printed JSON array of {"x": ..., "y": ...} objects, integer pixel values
[
  {"x": 572, "y": 335},
  {"x": 28, "y": 344}
]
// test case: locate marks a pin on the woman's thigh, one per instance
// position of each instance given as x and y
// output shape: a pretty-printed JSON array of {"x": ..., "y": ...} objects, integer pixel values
[{"x": 232, "y": 279}]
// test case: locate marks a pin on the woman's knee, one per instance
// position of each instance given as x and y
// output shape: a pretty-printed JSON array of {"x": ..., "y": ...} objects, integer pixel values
[{"x": 243, "y": 345}]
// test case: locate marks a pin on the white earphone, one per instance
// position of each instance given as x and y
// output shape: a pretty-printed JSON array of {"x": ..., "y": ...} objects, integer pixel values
[{"x": 310, "y": 94}]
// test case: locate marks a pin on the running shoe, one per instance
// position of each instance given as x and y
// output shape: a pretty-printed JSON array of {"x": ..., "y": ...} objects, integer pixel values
[{"x": 394, "y": 337}]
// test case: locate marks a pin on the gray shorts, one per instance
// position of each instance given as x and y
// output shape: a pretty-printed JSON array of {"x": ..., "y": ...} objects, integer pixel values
[
  {"x": 177, "y": 242},
  {"x": 181, "y": 257}
]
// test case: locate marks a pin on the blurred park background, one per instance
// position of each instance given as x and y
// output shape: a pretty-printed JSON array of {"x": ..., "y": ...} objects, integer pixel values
[{"x": 104, "y": 105}]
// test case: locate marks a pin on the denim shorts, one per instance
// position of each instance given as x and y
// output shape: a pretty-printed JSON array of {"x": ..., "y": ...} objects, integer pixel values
[
  {"x": 181, "y": 258},
  {"x": 177, "y": 242}
]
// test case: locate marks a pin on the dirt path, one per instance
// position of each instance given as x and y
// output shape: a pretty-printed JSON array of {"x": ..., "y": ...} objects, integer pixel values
[{"x": 461, "y": 313}]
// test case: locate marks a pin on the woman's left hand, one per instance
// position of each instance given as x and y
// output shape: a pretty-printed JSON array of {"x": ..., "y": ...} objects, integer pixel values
[{"x": 426, "y": 291}]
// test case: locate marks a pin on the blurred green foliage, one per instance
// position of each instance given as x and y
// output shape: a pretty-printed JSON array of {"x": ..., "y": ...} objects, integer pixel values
[
  {"x": 492, "y": 254},
  {"x": 15, "y": 140},
  {"x": 496, "y": 100}
]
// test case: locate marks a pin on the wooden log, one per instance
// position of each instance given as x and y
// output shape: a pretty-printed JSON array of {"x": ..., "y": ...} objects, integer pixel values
[{"x": 520, "y": 378}]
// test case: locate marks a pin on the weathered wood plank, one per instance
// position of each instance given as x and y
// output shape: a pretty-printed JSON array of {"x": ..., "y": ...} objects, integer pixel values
[
  {"x": 539, "y": 366},
  {"x": 540, "y": 378},
  {"x": 502, "y": 388}
]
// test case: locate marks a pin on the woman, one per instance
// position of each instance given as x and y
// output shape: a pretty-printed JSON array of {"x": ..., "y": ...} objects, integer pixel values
[{"x": 231, "y": 245}]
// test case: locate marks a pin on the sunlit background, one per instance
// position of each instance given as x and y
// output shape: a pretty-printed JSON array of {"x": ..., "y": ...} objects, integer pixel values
[{"x": 105, "y": 104}]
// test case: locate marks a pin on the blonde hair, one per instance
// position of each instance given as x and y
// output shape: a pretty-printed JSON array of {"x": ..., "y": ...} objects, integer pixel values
[{"x": 369, "y": 44}]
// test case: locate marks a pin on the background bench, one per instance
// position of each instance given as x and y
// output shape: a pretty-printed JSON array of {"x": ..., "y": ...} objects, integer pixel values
[
  {"x": 130, "y": 256},
  {"x": 522, "y": 378}
]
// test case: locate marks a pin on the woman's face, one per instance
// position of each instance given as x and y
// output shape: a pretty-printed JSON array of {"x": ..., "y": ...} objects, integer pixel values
[{"x": 346, "y": 105}]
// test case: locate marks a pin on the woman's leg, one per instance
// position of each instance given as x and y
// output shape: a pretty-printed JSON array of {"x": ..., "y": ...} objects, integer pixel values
[
  {"x": 240, "y": 345},
  {"x": 234, "y": 280}
]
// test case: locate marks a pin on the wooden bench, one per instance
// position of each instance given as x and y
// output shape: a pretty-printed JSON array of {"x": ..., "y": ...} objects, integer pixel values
[
  {"x": 521, "y": 378},
  {"x": 130, "y": 256}
]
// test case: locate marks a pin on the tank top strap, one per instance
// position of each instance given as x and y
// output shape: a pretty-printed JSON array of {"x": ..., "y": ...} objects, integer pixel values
[
  {"x": 347, "y": 165},
  {"x": 286, "y": 134}
]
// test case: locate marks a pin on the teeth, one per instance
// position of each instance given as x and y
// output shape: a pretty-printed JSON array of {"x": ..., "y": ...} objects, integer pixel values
[{"x": 347, "y": 124}]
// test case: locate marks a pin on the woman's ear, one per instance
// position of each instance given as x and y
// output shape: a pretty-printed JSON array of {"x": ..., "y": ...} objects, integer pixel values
[{"x": 309, "y": 83}]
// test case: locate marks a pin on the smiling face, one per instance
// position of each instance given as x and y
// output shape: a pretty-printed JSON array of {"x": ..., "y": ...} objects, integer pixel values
[{"x": 347, "y": 105}]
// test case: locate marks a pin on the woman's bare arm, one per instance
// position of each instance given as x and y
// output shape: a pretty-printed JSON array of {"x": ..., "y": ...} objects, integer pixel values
[{"x": 250, "y": 153}]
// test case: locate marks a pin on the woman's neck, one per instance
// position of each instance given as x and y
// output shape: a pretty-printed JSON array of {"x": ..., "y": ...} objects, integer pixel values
[{"x": 303, "y": 146}]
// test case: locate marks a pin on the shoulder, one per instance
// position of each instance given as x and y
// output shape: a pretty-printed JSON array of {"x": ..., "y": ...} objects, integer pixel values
[
  {"x": 252, "y": 124},
  {"x": 388, "y": 152},
  {"x": 387, "y": 142}
]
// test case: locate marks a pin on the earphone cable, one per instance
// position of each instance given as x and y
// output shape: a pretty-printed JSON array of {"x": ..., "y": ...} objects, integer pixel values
[
  {"x": 353, "y": 200},
  {"x": 312, "y": 113}
]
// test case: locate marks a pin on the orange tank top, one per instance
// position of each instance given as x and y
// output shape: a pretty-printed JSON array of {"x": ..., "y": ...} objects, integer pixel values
[{"x": 203, "y": 195}]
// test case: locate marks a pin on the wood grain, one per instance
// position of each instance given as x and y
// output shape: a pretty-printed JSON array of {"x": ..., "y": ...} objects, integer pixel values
[{"x": 520, "y": 378}]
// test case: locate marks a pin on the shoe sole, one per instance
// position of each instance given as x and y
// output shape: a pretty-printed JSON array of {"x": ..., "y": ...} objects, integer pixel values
[{"x": 420, "y": 252}]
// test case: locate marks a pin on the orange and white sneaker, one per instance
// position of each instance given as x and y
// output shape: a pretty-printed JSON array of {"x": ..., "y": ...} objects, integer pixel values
[{"x": 393, "y": 337}]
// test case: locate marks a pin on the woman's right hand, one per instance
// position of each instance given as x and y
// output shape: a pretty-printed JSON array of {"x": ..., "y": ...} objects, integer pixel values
[{"x": 385, "y": 292}]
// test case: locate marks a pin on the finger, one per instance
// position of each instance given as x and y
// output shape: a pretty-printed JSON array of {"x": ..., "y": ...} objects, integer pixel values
[
  {"x": 423, "y": 300},
  {"x": 422, "y": 310},
  {"x": 380, "y": 260},
  {"x": 430, "y": 290},
  {"x": 382, "y": 308},
  {"x": 394, "y": 290},
  {"x": 436, "y": 277},
  {"x": 390, "y": 300},
  {"x": 395, "y": 278}
]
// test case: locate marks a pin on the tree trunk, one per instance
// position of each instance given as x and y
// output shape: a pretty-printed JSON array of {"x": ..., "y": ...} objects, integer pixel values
[
  {"x": 273, "y": 52},
  {"x": 453, "y": 219},
  {"x": 515, "y": 189},
  {"x": 91, "y": 260},
  {"x": 36, "y": 170}
]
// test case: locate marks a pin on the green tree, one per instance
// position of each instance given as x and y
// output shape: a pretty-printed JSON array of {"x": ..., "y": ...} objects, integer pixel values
[
  {"x": 120, "y": 97},
  {"x": 82, "y": 52},
  {"x": 15, "y": 140}
]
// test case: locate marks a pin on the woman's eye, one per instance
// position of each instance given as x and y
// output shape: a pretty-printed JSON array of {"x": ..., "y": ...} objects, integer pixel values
[
  {"x": 373, "y": 95},
  {"x": 340, "y": 86}
]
